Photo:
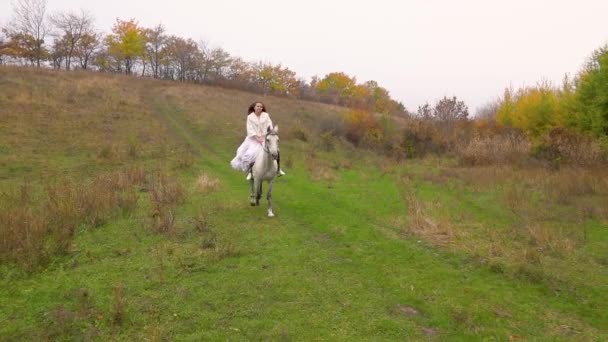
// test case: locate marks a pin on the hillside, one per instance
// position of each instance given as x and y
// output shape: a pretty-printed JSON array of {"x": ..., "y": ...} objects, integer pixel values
[{"x": 166, "y": 247}]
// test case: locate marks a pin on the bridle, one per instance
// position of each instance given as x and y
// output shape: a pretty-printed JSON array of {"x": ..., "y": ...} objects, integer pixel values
[{"x": 266, "y": 149}]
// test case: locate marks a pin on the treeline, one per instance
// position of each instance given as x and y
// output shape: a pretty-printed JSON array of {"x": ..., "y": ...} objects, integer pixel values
[
  {"x": 580, "y": 104},
  {"x": 553, "y": 125},
  {"x": 70, "y": 40}
]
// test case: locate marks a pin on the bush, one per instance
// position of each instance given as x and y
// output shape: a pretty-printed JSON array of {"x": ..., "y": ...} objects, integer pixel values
[
  {"x": 361, "y": 126},
  {"x": 494, "y": 149},
  {"x": 564, "y": 146}
]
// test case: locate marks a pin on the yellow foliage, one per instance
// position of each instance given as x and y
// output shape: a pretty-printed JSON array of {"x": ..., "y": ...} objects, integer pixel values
[{"x": 533, "y": 109}]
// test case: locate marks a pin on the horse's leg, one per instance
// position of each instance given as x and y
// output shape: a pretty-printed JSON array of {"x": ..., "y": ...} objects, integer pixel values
[
  {"x": 269, "y": 198},
  {"x": 252, "y": 195},
  {"x": 259, "y": 193}
]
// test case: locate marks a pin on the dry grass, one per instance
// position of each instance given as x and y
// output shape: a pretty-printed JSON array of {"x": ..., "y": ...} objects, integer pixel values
[
  {"x": 492, "y": 150},
  {"x": 201, "y": 221},
  {"x": 50, "y": 120},
  {"x": 568, "y": 183},
  {"x": 544, "y": 238},
  {"x": 540, "y": 233},
  {"x": 206, "y": 183},
  {"x": 439, "y": 233},
  {"x": 36, "y": 225},
  {"x": 166, "y": 190},
  {"x": 165, "y": 193},
  {"x": 319, "y": 169},
  {"x": 118, "y": 304}
]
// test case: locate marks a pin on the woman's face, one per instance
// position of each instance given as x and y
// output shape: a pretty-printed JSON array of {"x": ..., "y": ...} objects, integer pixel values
[{"x": 258, "y": 108}]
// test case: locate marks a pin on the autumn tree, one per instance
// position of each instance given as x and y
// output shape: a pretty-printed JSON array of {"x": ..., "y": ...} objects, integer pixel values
[
  {"x": 379, "y": 100},
  {"x": 533, "y": 110},
  {"x": 274, "y": 79},
  {"x": 28, "y": 29},
  {"x": 4, "y": 48},
  {"x": 70, "y": 29},
  {"x": 240, "y": 74},
  {"x": 20, "y": 46},
  {"x": 86, "y": 47},
  {"x": 126, "y": 44},
  {"x": 336, "y": 88}
]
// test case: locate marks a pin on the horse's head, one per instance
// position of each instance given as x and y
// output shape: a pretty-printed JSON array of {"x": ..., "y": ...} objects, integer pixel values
[{"x": 272, "y": 142}]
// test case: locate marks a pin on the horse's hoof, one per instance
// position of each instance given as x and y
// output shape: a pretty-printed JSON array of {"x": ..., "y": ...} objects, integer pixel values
[
  {"x": 252, "y": 204},
  {"x": 270, "y": 214}
]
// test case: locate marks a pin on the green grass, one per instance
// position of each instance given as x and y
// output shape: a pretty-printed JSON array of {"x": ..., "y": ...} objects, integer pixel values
[{"x": 335, "y": 264}]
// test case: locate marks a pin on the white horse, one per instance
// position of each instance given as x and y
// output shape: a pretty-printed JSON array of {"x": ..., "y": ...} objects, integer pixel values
[{"x": 265, "y": 169}]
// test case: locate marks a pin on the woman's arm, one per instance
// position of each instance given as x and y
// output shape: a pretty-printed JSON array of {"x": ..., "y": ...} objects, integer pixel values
[
  {"x": 251, "y": 132},
  {"x": 250, "y": 128}
]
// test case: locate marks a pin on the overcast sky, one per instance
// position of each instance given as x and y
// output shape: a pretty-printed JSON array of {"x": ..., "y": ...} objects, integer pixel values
[{"x": 420, "y": 50}]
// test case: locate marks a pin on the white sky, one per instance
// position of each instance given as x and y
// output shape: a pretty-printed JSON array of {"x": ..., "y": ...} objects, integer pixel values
[{"x": 419, "y": 50}]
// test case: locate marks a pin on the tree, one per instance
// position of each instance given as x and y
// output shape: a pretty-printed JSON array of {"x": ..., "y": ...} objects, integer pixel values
[
  {"x": 336, "y": 88},
  {"x": 71, "y": 27},
  {"x": 591, "y": 97},
  {"x": 450, "y": 109},
  {"x": 220, "y": 61},
  {"x": 155, "y": 42},
  {"x": 487, "y": 110},
  {"x": 183, "y": 55},
  {"x": 29, "y": 25},
  {"x": 4, "y": 48},
  {"x": 58, "y": 52},
  {"x": 86, "y": 47},
  {"x": 240, "y": 74},
  {"x": 533, "y": 110},
  {"x": 425, "y": 112},
  {"x": 126, "y": 44},
  {"x": 20, "y": 46},
  {"x": 447, "y": 117}
]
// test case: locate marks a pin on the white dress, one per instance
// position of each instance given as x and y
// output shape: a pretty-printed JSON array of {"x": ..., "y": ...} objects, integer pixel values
[{"x": 250, "y": 148}]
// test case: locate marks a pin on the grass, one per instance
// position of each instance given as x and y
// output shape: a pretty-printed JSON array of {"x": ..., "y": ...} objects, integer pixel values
[{"x": 362, "y": 247}]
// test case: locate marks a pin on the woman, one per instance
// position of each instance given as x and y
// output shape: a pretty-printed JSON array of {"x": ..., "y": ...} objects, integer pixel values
[{"x": 258, "y": 121}]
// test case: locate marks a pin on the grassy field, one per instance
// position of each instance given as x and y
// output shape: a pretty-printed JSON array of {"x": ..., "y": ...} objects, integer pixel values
[{"x": 164, "y": 245}]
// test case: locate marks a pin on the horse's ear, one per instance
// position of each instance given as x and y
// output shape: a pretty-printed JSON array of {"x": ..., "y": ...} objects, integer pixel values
[
  {"x": 268, "y": 130},
  {"x": 276, "y": 129}
]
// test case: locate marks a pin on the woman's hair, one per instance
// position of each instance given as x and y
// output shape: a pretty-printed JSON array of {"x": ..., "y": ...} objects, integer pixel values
[{"x": 252, "y": 106}]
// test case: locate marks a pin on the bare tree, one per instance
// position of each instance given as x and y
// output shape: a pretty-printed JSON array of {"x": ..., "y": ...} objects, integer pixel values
[
  {"x": 183, "y": 55},
  {"x": 3, "y": 47},
  {"x": 71, "y": 27},
  {"x": 206, "y": 63},
  {"x": 447, "y": 110},
  {"x": 220, "y": 61},
  {"x": 155, "y": 41},
  {"x": 29, "y": 20},
  {"x": 488, "y": 110}
]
